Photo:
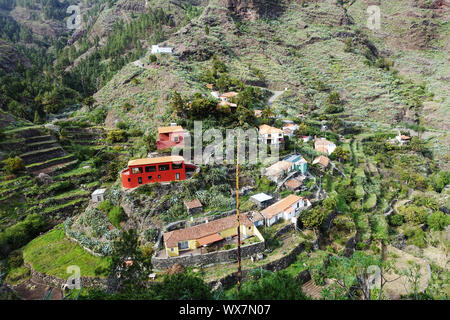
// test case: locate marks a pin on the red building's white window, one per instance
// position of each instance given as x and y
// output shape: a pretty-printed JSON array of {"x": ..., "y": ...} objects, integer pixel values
[{"x": 136, "y": 170}]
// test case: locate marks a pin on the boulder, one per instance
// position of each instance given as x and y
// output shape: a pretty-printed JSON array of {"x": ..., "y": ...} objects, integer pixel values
[{"x": 45, "y": 178}]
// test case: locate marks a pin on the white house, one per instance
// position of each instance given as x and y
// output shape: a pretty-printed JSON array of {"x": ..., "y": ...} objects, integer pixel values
[
  {"x": 98, "y": 195},
  {"x": 255, "y": 217},
  {"x": 323, "y": 145},
  {"x": 227, "y": 96},
  {"x": 270, "y": 135},
  {"x": 278, "y": 170},
  {"x": 289, "y": 129},
  {"x": 285, "y": 209},
  {"x": 157, "y": 49},
  {"x": 402, "y": 139},
  {"x": 215, "y": 94}
]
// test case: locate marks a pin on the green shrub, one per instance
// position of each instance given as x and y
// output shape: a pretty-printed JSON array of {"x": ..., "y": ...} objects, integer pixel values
[
  {"x": 334, "y": 98},
  {"x": 116, "y": 216},
  {"x": 396, "y": 220},
  {"x": 413, "y": 214},
  {"x": 438, "y": 220},
  {"x": 60, "y": 186},
  {"x": 105, "y": 206},
  {"x": 415, "y": 236},
  {"x": 13, "y": 165},
  {"x": 116, "y": 136},
  {"x": 122, "y": 125},
  {"x": 15, "y": 259},
  {"x": 98, "y": 115}
]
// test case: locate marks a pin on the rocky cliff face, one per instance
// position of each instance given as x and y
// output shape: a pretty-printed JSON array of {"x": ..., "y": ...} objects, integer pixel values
[
  {"x": 10, "y": 57},
  {"x": 253, "y": 9}
]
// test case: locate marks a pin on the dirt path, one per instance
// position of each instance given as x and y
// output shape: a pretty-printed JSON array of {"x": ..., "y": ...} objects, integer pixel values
[
  {"x": 30, "y": 290},
  {"x": 276, "y": 94}
]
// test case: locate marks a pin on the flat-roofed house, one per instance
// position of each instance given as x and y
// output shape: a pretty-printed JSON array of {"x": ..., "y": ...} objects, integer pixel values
[
  {"x": 323, "y": 145},
  {"x": 185, "y": 240},
  {"x": 170, "y": 136},
  {"x": 157, "y": 49},
  {"x": 300, "y": 164},
  {"x": 98, "y": 195},
  {"x": 402, "y": 139},
  {"x": 285, "y": 209},
  {"x": 293, "y": 184},
  {"x": 270, "y": 135},
  {"x": 150, "y": 170},
  {"x": 262, "y": 200},
  {"x": 222, "y": 104},
  {"x": 278, "y": 170}
]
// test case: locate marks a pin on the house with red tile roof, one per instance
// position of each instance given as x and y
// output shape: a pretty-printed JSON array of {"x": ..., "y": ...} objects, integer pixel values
[
  {"x": 188, "y": 239},
  {"x": 227, "y": 96},
  {"x": 270, "y": 135},
  {"x": 323, "y": 145},
  {"x": 322, "y": 161},
  {"x": 194, "y": 206},
  {"x": 285, "y": 209}
]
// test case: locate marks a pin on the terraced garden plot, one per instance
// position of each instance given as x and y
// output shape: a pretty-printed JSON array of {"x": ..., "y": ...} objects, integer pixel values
[{"x": 52, "y": 253}]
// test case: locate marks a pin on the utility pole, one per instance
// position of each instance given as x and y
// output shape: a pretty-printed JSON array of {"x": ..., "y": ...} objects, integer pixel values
[{"x": 238, "y": 219}]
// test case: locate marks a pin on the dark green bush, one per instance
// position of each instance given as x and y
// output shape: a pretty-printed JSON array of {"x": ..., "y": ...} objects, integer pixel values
[{"x": 396, "y": 220}]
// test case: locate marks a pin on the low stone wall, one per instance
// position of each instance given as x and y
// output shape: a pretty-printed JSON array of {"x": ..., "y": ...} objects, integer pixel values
[
  {"x": 273, "y": 266},
  {"x": 284, "y": 230},
  {"x": 208, "y": 258},
  {"x": 57, "y": 282}
]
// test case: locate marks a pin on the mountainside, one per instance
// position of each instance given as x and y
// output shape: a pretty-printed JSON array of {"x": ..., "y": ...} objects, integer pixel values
[
  {"x": 360, "y": 115},
  {"x": 396, "y": 75}
]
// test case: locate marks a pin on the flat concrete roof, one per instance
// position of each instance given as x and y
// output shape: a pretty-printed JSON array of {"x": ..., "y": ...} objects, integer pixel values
[
  {"x": 98, "y": 191},
  {"x": 261, "y": 197}
]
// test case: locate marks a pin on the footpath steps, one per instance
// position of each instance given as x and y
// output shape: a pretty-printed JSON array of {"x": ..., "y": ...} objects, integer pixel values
[{"x": 312, "y": 290}]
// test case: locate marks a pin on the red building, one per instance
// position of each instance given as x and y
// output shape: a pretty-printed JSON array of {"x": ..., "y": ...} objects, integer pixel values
[
  {"x": 169, "y": 137},
  {"x": 150, "y": 170}
]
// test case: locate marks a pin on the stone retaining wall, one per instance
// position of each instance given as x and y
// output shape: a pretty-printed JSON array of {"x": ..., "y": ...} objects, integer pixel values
[
  {"x": 57, "y": 282},
  {"x": 284, "y": 230},
  {"x": 208, "y": 258},
  {"x": 273, "y": 266}
]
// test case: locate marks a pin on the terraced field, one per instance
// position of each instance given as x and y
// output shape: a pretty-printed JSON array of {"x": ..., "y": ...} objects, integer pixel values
[{"x": 72, "y": 182}]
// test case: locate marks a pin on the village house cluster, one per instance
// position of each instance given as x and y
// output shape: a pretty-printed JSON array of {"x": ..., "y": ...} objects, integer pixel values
[
  {"x": 220, "y": 232},
  {"x": 288, "y": 173}
]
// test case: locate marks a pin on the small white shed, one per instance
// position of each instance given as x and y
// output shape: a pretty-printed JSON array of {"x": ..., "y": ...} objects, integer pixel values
[{"x": 98, "y": 195}]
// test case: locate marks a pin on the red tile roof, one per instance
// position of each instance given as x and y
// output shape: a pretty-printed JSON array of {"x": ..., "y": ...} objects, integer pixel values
[
  {"x": 209, "y": 239},
  {"x": 280, "y": 206},
  {"x": 322, "y": 160},
  {"x": 172, "y": 238},
  {"x": 193, "y": 204}
]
